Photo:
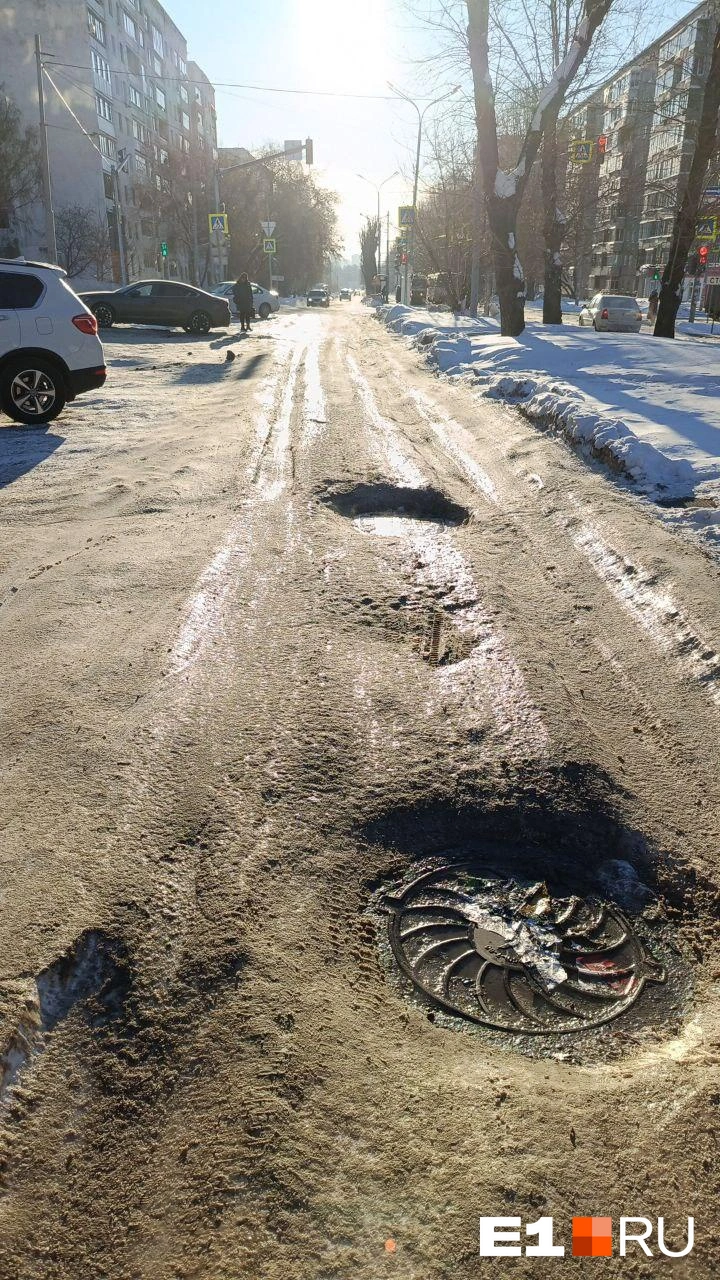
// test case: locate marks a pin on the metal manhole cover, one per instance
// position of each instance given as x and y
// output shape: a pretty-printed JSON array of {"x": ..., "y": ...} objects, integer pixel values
[{"x": 504, "y": 953}]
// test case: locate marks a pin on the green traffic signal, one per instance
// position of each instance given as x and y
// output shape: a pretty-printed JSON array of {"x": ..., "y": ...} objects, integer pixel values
[{"x": 163, "y": 250}]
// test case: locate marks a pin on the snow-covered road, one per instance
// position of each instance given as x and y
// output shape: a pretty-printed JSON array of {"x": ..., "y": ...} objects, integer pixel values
[{"x": 277, "y": 630}]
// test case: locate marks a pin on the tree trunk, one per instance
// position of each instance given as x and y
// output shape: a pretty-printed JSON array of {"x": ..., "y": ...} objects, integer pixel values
[
  {"x": 684, "y": 228},
  {"x": 509, "y": 278},
  {"x": 553, "y": 226}
]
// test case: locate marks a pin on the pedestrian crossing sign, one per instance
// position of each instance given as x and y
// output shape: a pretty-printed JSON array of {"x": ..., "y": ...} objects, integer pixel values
[
  {"x": 406, "y": 215},
  {"x": 218, "y": 222},
  {"x": 581, "y": 151},
  {"x": 268, "y": 245}
]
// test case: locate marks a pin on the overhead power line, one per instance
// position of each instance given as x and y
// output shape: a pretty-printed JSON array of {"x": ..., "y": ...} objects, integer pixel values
[{"x": 234, "y": 84}]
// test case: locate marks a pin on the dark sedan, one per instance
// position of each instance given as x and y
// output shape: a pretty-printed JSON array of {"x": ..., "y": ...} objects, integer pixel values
[{"x": 159, "y": 302}]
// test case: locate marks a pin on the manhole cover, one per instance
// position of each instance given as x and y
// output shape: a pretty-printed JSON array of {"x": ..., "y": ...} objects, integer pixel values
[{"x": 505, "y": 953}]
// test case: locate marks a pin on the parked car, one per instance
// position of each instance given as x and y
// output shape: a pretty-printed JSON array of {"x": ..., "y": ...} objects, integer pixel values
[
  {"x": 49, "y": 346},
  {"x": 170, "y": 302},
  {"x": 345, "y": 295},
  {"x": 615, "y": 311},
  {"x": 264, "y": 300},
  {"x": 318, "y": 298}
]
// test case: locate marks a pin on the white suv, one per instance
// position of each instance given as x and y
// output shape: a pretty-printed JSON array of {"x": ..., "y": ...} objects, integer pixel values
[{"x": 49, "y": 349}]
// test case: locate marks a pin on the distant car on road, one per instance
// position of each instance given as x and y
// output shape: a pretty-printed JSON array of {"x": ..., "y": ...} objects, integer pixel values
[
  {"x": 612, "y": 311},
  {"x": 265, "y": 300},
  {"x": 318, "y": 298},
  {"x": 170, "y": 302},
  {"x": 49, "y": 349},
  {"x": 345, "y": 295}
]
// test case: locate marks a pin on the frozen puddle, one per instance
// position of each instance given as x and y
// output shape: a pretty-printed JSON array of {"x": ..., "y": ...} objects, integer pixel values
[{"x": 393, "y": 526}]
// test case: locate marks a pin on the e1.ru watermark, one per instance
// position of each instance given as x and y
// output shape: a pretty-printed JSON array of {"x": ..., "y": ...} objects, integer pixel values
[{"x": 590, "y": 1238}]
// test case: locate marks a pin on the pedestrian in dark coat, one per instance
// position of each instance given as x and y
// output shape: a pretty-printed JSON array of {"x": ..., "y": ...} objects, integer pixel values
[
  {"x": 652, "y": 305},
  {"x": 243, "y": 295}
]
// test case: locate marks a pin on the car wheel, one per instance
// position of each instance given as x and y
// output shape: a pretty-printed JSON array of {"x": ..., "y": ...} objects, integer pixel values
[
  {"x": 104, "y": 315},
  {"x": 199, "y": 322},
  {"x": 32, "y": 391},
  {"x": 264, "y": 310}
]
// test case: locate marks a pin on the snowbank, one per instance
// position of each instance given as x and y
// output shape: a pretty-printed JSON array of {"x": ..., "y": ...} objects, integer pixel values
[{"x": 649, "y": 408}]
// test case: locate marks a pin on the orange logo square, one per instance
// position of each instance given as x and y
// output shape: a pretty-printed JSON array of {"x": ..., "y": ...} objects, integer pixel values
[{"x": 592, "y": 1237}]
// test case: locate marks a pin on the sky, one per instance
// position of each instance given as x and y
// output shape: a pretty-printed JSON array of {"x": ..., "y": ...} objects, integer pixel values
[{"x": 333, "y": 48}]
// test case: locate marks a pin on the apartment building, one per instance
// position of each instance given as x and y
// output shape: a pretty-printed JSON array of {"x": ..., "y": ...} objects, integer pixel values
[
  {"x": 646, "y": 115},
  {"x": 683, "y": 60},
  {"x": 132, "y": 134}
]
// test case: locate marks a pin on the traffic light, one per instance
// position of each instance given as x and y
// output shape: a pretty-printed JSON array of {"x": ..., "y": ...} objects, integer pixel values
[
  {"x": 308, "y": 150},
  {"x": 656, "y": 274},
  {"x": 702, "y": 257},
  {"x": 163, "y": 249}
]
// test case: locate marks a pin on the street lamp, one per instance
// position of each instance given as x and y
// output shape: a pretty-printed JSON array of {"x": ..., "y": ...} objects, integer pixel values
[
  {"x": 421, "y": 117},
  {"x": 377, "y": 186}
]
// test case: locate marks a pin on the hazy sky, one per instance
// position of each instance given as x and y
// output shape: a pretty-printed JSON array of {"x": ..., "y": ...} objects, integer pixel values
[{"x": 340, "y": 47}]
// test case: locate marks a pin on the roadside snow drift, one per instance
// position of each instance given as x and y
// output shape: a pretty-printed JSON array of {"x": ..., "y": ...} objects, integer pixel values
[{"x": 648, "y": 408}]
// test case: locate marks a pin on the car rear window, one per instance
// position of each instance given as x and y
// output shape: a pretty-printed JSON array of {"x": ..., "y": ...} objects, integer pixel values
[
  {"x": 619, "y": 300},
  {"x": 19, "y": 291}
]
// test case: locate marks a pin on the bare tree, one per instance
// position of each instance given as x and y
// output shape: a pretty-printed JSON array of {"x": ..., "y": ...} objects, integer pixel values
[
  {"x": 83, "y": 240},
  {"x": 686, "y": 217},
  {"x": 368, "y": 243},
  {"x": 504, "y": 189},
  {"x": 19, "y": 163}
]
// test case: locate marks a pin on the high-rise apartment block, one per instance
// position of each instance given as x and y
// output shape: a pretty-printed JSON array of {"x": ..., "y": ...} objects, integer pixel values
[
  {"x": 132, "y": 135},
  {"x": 645, "y": 121}
]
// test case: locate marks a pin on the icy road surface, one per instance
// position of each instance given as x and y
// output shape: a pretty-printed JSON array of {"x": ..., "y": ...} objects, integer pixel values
[{"x": 245, "y": 684}]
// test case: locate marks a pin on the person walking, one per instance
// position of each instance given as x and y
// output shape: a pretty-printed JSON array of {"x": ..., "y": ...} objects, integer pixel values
[
  {"x": 652, "y": 306},
  {"x": 243, "y": 295}
]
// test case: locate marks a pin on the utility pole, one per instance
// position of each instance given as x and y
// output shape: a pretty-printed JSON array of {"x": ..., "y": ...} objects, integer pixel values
[
  {"x": 476, "y": 235},
  {"x": 387, "y": 254},
  {"x": 45, "y": 160}
]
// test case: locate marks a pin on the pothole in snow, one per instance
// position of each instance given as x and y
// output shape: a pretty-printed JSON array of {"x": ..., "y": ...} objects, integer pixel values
[{"x": 391, "y": 510}]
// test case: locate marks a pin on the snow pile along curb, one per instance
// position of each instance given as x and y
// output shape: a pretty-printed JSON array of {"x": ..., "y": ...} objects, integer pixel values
[
  {"x": 553, "y": 405},
  {"x": 474, "y": 348}
]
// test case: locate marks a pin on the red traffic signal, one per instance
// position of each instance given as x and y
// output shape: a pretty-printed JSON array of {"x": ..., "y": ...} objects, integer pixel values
[
  {"x": 602, "y": 144},
  {"x": 703, "y": 254}
]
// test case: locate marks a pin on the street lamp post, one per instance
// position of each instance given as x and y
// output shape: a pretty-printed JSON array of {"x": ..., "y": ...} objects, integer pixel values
[
  {"x": 407, "y": 293},
  {"x": 377, "y": 186}
]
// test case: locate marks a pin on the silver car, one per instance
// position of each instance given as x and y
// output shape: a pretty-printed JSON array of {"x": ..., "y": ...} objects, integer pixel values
[
  {"x": 616, "y": 311},
  {"x": 264, "y": 300}
]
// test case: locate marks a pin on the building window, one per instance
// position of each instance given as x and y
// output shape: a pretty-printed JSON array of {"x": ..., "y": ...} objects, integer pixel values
[
  {"x": 96, "y": 27},
  {"x": 182, "y": 64},
  {"x": 140, "y": 164},
  {"x": 164, "y": 156},
  {"x": 107, "y": 146},
  {"x": 139, "y": 132},
  {"x": 135, "y": 97},
  {"x": 100, "y": 66},
  {"x": 184, "y": 93},
  {"x": 160, "y": 96},
  {"x": 157, "y": 65},
  {"x": 104, "y": 108},
  {"x": 185, "y": 120},
  {"x": 157, "y": 41}
]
